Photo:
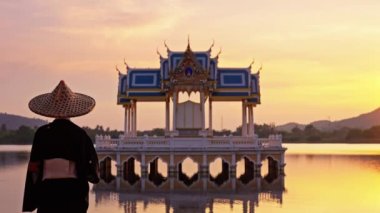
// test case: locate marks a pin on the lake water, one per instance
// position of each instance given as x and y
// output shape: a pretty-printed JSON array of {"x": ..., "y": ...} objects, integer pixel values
[{"x": 319, "y": 178}]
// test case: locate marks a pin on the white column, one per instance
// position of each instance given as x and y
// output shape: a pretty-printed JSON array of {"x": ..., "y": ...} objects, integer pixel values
[
  {"x": 258, "y": 164},
  {"x": 210, "y": 116},
  {"x": 172, "y": 175},
  {"x": 253, "y": 121},
  {"x": 130, "y": 119},
  {"x": 202, "y": 97},
  {"x": 134, "y": 118},
  {"x": 282, "y": 164},
  {"x": 119, "y": 170},
  {"x": 144, "y": 171},
  {"x": 175, "y": 101},
  {"x": 250, "y": 115},
  {"x": 244, "y": 120},
  {"x": 126, "y": 115},
  {"x": 204, "y": 171},
  {"x": 233, "y": 171},
  {"x": 167, "y": 115}
]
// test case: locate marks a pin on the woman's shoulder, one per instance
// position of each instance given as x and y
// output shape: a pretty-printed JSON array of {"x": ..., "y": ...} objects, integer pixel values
[
  {"x": 77, "y": 129},
  {"x": 43, "y": 128}
]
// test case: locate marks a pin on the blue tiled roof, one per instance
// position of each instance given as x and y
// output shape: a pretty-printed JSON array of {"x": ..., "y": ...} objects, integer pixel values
[
  {"x": 165, "y": 68},
  {"x": 123, "y": 84},
  {"x": 232, "y": 78},
  {"x": 254, "y": 85},
  {"x": 145, "y": 78},
  {"x": 213, "y": 65},
  {"x": 232, "y": 84}
]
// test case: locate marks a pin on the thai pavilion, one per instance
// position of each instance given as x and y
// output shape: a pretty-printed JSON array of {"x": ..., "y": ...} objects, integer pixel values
[{"x": 186, "y": 135}]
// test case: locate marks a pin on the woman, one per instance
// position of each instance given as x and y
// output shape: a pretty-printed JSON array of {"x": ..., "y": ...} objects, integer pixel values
[{"x": 63, "y": 158}]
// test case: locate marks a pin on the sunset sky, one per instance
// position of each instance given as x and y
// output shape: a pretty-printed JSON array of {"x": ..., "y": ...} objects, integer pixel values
[{"x": 321, "y": 59}]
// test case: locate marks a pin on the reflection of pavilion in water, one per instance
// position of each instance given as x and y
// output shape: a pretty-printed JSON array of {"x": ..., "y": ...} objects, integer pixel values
[
  {"x": 179, "y": 200},
  {"x": 138, "y": 160}
]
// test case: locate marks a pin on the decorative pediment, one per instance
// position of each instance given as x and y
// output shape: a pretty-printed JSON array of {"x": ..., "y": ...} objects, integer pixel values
[{"x": 189, "y": 71}]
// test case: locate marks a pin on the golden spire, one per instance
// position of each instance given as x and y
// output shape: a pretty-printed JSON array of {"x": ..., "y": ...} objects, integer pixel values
[{"x": 188, "y": 42}]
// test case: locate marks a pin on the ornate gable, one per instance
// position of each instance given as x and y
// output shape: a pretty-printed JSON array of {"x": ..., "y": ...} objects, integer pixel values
[{"x": 188, "y": 71}]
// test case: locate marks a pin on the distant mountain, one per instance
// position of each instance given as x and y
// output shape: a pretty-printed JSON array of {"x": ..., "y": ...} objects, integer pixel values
[
  {"x": 13, "y": 122},
  {"x": 324, "y": 125},
  {"x": 289, "y": 126},
  {"x": 363, "y": 121}
]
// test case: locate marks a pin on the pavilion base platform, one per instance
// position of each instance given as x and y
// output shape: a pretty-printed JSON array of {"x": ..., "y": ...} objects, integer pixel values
[{"x": 124, "y": 155}]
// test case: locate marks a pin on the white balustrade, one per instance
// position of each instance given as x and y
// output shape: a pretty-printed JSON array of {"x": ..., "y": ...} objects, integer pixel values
[
  {"x": 227, "y": 142},
  {"x": 271, "y": 141}
]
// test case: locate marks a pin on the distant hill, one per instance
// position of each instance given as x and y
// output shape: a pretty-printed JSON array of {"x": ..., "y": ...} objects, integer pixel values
[
  {"x": 363, "y": 121},
  {"x": 13, "y": 122},
  {"x": 289, "y": 126}
]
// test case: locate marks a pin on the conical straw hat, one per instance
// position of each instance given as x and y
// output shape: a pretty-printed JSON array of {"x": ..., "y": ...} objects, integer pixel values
[{"x": 62, "y": 103}]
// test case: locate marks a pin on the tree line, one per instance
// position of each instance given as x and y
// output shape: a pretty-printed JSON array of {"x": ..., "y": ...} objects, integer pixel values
[
  {"x": 25, "y": 134},
  {"x": 344, "y": 134},
  {"x": 310, "y": 134}
]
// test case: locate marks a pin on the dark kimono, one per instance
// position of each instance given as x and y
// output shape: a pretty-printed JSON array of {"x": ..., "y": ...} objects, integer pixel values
[{"x": 60, "y": 139}]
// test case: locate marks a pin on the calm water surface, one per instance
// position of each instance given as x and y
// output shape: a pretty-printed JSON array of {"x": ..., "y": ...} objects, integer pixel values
[{"x": 319, "y": 178}]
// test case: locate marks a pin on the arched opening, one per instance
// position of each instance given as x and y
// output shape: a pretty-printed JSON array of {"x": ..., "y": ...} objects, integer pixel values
[
  {"x": 157, "y": 171},
  {"x": 193, "y": 96},
  {"x": 107, "y": 169},
  {"x": 188, "y": 171},
  {"x": 247, "y": 170},
  {"x": 130, "y": 170},
  {"x": 219, "y": 171},
  {"x": 270, "y": 169}
]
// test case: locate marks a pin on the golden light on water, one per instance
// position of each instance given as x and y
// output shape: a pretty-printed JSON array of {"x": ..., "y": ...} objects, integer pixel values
[
  {"x": 339, "y": 180},
  {"x": 332, "y": 184},
  {"x": 319, "y": 178},
  {"x": 334, "y": 149}
]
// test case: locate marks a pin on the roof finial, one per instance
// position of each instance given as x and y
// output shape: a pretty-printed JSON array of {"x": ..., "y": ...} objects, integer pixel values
[
  {"x": 158, "y": 53},
  {"x": 126, "y": 65},
  {"x": 117, "y": 69},
  {"x": 261, "y": 67},
  {"x": 253, "y": 62},
  {"x": 212, "y": 45},
  {"x": 167, "y": 48},
  {"x": 220, "y": 52},
  {"x": 188, "y": 41}
]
